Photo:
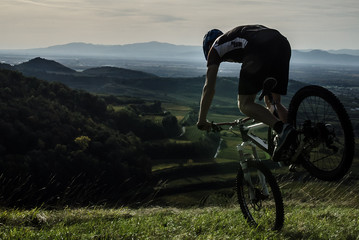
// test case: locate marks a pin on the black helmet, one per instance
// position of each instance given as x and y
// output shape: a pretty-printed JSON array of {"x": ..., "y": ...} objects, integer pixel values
[{"x": 208, "y": 40}]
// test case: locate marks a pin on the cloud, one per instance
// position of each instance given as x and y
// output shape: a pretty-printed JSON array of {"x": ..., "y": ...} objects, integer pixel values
[
  {"x": 43, "y": 3},
  {"x": 150, "y": 10},
  {"x": 166, "y": 18},
  {"x": 175, "y": 21}
]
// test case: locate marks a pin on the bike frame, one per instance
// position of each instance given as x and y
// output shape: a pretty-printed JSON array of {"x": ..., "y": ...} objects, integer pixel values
[
  {"x": 252, "y": 141},
  {"x": 249, "y": 139}
]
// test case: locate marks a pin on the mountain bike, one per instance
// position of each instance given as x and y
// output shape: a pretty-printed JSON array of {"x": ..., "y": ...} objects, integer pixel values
[{"x": 324, "y": 146}]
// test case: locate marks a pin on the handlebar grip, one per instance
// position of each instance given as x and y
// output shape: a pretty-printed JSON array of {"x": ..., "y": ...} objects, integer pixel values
[{"x": 215, "y": 128}]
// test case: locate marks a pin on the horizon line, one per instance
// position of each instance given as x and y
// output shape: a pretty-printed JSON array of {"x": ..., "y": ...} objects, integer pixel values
[{"x": 167, "y": 43}]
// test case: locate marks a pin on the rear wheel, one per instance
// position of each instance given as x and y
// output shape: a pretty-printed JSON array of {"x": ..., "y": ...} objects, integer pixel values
[
  {"x": 324, "y": 128},
  {"x": 259, "y": 196}
]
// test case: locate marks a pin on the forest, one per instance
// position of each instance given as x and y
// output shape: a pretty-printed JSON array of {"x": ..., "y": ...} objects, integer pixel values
[{"x": 61, "y": 146}]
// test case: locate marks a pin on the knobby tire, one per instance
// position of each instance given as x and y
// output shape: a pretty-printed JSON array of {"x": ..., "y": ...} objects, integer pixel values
[
  {"x": 271, "y": 214},
  {"x": 319, "y": 105}
]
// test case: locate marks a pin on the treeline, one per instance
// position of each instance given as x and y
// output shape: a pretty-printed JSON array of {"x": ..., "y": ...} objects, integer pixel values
[{"x": 63, "y": 146}]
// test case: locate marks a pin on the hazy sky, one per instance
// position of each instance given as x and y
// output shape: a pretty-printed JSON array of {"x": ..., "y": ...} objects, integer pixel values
[{"x": 324, "y": 24}]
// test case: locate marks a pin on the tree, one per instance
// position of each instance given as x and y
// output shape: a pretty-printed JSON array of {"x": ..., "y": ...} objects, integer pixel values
[{"x": 171, "y": 126}]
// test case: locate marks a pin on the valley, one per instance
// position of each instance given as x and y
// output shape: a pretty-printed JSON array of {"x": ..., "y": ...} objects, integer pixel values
[{"x": 142, "y": 125}]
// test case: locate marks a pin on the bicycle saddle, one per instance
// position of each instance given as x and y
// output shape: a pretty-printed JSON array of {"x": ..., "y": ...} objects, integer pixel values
[{"x": 268, "y": 85}]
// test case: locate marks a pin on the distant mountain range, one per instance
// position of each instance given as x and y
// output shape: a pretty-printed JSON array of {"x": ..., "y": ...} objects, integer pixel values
[
  {"x": 324, "y": 57},
  {"x": 345, "y": 51},
  {"x": 165, "y": 51},
  {"x": 148, "y": 50}
]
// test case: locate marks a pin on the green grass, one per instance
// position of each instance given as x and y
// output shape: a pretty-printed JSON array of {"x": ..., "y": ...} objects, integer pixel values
[
  {"x": 177, "y": 110},
  {"x": 303, "y": 221},
  {"x": 313, "y": 210}
]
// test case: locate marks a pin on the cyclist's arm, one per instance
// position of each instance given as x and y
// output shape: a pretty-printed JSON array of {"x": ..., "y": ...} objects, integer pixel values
[{"x": 207, "y": 97}]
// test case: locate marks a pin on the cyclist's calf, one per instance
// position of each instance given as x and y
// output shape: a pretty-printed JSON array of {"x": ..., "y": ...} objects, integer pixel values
[{"x": 281, "y": 110}]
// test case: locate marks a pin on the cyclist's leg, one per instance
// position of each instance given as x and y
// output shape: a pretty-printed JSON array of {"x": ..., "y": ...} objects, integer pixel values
[
  {"x": 256, "y": 111},
  {"x": 278, "y": 68},
  {"x": 282, "y": 111}
]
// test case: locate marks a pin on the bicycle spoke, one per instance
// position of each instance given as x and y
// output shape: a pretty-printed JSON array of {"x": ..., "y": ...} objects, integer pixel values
[
  {"x": 325, "y": 130},
  {"x": 319, "y": 111},
  {"x": 259, "y": 197}
]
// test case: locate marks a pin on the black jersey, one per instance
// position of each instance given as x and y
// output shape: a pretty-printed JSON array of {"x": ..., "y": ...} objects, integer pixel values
[
  {"x": 235, "y": 44},
  {"x": 263, "y": 52}
]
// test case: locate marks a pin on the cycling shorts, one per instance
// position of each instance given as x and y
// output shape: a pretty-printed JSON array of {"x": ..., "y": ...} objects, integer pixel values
[{"x": 269, "y": 56}]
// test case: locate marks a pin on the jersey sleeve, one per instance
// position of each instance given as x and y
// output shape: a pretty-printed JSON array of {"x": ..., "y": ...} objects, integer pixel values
[{"x": 213, "y": 57}]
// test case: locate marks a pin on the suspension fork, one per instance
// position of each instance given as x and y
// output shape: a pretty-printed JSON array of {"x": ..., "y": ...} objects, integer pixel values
[{"x": 244, "y": 164}]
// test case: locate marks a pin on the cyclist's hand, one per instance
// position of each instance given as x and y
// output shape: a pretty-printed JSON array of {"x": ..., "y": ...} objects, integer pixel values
[{"x": 205, "y": 126}]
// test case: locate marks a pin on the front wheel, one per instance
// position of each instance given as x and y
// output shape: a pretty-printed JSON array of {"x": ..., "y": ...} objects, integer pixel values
[
  {"x": 259, "y": 196},
  {"x": 325, "y": 132}
]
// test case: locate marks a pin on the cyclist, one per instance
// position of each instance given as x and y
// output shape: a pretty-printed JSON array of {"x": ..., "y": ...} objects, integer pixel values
[{"x": 264, "y": 53}]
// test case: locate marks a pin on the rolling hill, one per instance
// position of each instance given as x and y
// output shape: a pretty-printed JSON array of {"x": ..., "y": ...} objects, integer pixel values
[
  {"x": 60, "y": 145},
  {"x": 116, "y": 72},
  {"x": 43, "y": 65},
  {"x": 126, "y": 82}
]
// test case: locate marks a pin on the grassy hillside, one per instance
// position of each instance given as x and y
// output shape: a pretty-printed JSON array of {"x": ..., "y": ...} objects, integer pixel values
[
  {"x": 63, "y": 146},
  {"x": 303, "y": 221}
]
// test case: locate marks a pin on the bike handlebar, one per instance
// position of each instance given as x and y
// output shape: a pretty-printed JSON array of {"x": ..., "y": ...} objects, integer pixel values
[{"x": 216, "y": 127}]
